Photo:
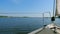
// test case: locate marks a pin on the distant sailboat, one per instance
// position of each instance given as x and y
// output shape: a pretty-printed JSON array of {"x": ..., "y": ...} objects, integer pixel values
[{"x": 50, "y": 28}]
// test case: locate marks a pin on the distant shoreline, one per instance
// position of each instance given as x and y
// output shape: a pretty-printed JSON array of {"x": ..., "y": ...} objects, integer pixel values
[
  {"x": 3, "y": 16},
  {"x": 11, "y": 17},
  {"x": 20, "y": 17}
]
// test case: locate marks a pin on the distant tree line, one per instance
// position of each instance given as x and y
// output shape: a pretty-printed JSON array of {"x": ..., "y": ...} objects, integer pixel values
[{"x": 3, "y": 16}]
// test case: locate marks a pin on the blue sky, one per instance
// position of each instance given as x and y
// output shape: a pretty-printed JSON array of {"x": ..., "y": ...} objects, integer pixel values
[{"x": 32, "y": 8}]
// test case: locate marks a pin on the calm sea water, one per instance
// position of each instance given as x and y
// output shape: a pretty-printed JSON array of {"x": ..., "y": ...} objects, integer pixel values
[{"x": 22, "y": 25}]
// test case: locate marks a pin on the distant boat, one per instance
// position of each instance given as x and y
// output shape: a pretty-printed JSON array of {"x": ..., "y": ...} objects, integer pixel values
[{"x": 52, "y": 28}]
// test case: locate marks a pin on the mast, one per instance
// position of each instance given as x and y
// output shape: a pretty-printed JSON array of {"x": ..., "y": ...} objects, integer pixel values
[
  {"x": 54, "y": 8},
  {"x": 54, "y": 14},
  {"x": 53, "y": 17}
]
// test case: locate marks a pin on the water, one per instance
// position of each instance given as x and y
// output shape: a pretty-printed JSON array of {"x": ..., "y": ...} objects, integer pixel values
[{"x": 22, "y": 25}]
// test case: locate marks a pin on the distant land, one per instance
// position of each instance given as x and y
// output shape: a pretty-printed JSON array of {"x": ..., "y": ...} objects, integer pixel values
[
  {"x": 20, "y": 17},
  {"x": 3, "y": 16},
  {"x": 12, "y": 17}
]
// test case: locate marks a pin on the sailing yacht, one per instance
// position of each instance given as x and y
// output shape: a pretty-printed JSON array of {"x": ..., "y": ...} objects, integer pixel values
[{"x": 51, "y": 28}]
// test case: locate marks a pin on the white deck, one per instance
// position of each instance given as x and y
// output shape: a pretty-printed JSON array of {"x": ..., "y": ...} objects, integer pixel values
[{"x": 47, "y": 30}]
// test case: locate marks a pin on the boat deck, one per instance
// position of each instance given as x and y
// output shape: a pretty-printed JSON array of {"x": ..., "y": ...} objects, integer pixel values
[
  {"x": 49, "y": 29},
  {"x": 46, "y": 31}
]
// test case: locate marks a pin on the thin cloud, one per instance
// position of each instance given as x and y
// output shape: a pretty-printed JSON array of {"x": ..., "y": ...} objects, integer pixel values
[{"x": 17, "y": 1}]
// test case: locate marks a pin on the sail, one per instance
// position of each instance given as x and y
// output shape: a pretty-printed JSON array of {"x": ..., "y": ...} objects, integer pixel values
[{"x": 57, "y": 7}]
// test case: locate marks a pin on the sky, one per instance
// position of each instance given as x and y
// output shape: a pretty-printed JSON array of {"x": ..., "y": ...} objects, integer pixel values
[{"x": 31, "y": 8}]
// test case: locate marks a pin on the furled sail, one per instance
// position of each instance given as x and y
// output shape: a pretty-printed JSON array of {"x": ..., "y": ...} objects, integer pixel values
[{"x": 57, "y": 7}]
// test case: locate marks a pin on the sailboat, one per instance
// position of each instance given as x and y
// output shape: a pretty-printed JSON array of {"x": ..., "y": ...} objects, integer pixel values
[{"x": 51, "y": 28}]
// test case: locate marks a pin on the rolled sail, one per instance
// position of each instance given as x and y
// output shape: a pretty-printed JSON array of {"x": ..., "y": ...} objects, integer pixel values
[{"x": 57, "y": 7}]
